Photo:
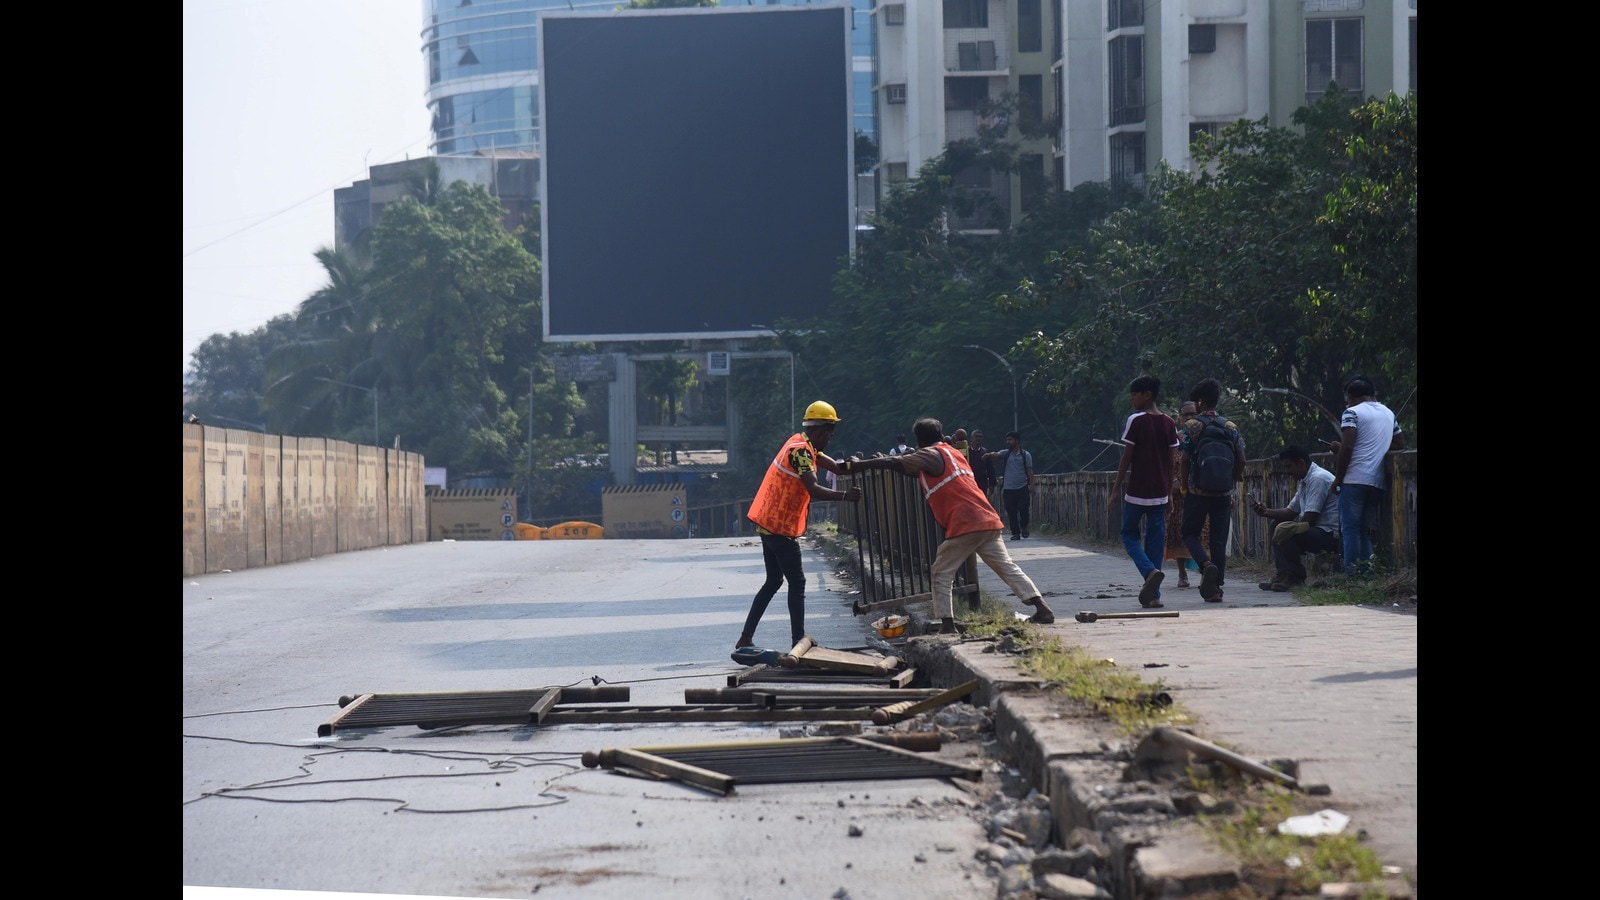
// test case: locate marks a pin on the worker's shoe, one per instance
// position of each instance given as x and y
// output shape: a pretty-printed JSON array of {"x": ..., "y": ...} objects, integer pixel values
[
  {"x": 1150, "y": 594},
  {"x": 745, "y": 640},
  {"x": 1043, "y": 614}
]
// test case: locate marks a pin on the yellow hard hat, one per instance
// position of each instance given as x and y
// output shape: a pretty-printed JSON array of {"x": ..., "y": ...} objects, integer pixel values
[{"x": 820, "y": 413}]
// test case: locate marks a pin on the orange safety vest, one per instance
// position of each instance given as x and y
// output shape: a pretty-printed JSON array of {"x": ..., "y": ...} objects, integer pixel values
[
  {"x": 958, "y": 504},
  {"x": 782, "y": 501}
]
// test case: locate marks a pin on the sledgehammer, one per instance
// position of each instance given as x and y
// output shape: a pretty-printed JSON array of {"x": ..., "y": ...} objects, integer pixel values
[{"x": 1094, "y": 617}]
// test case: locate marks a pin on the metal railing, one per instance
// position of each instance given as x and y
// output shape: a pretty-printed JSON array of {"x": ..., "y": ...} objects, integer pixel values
[
  {"x": 1075, "y": 504},
  {"x": 895, "y": 537}
]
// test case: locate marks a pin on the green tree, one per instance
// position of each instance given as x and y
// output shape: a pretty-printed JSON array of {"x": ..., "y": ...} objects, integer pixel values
[
  {"x": 1371, "y": 220},
  {"x": 664, "y": 384},
  {"x": 1232, "y": 272},
  {"x": 453, "y": 293},
  {"x": 919, "y": 293},
  {"x": 866, "y": 153},
  {"x": 335, "y": 340},
  {"x": 223, "y": 385}
]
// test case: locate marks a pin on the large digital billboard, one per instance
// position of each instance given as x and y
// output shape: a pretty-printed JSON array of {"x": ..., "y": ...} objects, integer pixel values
[{"x": 697, "y": 169}]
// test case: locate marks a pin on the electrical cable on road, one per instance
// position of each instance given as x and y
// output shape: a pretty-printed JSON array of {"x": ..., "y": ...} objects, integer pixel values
[{"x": 497, "y": 765}]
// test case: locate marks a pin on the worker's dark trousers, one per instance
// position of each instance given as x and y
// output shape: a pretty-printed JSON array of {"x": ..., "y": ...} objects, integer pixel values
[{"x": 782, "y": 556}]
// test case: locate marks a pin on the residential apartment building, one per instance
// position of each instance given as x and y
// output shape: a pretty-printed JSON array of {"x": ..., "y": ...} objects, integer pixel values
[
  {"x": 940, "y": 63},
  {"x": 513, "y": 178},
  {"x": 1172, "y": 70},
  {"x": 1127, "y": 82}
]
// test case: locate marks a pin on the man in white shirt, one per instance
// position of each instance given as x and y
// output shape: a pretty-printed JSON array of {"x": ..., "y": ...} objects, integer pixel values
[
  {"x": 1309, "y": 524},
  {"x": 1367, "y": 431}
]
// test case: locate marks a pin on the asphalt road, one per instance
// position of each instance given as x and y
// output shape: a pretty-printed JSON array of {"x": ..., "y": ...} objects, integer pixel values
[{"x": 509, "y": 811}]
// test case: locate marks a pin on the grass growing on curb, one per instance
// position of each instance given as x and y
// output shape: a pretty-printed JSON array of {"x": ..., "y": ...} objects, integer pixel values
[
  {"x": 1133, "y": 703},
  {"x": 1382, "y": 589},
  {"x": 1269, "y": 859}
]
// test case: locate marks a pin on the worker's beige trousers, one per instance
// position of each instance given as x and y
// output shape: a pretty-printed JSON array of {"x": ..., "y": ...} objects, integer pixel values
[{"x": 953, "y": 554}]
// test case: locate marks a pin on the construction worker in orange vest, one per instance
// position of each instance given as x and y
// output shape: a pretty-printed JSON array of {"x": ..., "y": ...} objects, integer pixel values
[
  {"x": 779, "y": 512},
  {"x": 970, "y": 523}
]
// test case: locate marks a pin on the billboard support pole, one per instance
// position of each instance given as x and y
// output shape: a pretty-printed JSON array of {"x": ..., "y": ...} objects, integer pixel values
[{"x": 624, "y": 422}]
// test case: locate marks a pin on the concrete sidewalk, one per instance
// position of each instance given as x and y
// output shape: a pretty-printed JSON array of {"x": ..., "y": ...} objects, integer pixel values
[{"x": 1332, "y": 687}]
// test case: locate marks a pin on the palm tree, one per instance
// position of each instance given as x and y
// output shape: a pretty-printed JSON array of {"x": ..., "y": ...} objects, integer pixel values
[{"x": 336, "y": 335}]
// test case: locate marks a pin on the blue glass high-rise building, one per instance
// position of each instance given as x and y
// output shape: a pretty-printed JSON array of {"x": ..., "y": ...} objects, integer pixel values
[{"x": 483, "y": 71}]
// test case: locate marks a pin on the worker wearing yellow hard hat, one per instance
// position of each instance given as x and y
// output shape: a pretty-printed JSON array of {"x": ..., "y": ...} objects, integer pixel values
[
  {"x": 779, "y": 512},
  {"x": 820, "y": 413}
]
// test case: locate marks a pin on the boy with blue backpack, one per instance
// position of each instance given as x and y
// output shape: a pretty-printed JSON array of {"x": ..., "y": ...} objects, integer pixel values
[{"x": 1212, "y": 465}]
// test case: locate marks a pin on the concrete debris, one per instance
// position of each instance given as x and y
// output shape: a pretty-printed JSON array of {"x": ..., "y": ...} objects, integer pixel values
[
  {"x": 1196, "y": 803},
  {"x": 1016, "y": 880},
  {"x": 990, "y": 853},
  {"x": 1079, "y": 863},
  {"x": 1026, "y": 824},
  {"x": 1065, "y": 887},
  {"x": 964, "y": 716}
]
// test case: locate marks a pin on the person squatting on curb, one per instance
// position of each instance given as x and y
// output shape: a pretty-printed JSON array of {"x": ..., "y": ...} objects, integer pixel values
[
  {"x": 1149, "y": 441},
  {"x": 1309, "y": 524},
  {"x": 970, "y": 524},
  {"x": 779, "y": 511}
]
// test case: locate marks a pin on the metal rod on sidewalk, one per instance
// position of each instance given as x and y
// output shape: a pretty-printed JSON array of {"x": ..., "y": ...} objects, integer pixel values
[{"x": 1208, "y": 749}]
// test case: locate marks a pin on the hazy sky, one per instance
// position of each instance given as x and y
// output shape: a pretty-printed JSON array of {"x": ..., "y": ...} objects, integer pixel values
[{"x": 283, "y": 102}]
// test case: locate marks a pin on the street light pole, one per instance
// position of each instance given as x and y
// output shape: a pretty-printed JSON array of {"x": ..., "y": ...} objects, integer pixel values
[
  {"x": 371, "y": 390},
  {"x": 1013, "y": 373}
]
